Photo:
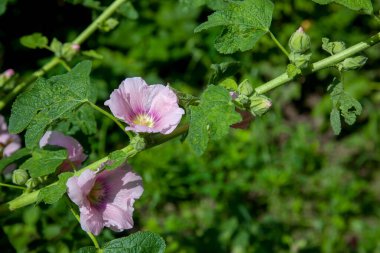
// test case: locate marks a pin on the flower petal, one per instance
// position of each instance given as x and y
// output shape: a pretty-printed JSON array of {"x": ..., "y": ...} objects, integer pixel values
[
  {"x": 91, "y": 220},
  {"x": 116, "y": 218}
]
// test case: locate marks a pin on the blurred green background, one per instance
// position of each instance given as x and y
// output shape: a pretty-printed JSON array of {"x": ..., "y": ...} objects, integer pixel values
[{"x": 286, "y": 184}]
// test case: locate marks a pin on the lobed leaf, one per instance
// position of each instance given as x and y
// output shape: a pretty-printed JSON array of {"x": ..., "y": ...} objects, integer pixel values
[
  {"x": 356, "y": 5},
  {"x": 35, "y": 40},
  {"x": 243, "y": 22},
  {"x": 54, "y": 192},
  {"x": 5, "y": 161},
  {"x": 48, "y": 101},
  {"x": 44, "y": 162},
  {"x": 212, "y": 118}
]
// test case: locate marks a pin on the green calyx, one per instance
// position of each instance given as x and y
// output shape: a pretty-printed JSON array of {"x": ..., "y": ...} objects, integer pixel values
[
  {"x": 20, "y": 177},
  {"x": 299, "y": 42},
  {"x": 260, "y": 104}
]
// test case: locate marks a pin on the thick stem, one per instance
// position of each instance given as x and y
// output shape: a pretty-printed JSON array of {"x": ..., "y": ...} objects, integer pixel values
[
  {"x": 55, "y": 61},
  {"x": 325, "y": 63}
]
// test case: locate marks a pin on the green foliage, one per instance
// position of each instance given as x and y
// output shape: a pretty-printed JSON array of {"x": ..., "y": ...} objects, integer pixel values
[
  {"x": 140, "y": 242},
  {"x": 223, "y": 70},
  {"x": 48, "y": 101},
  {"x": 54, "y": 192},
  {"x": 212, "y": 118},
  {"x": 333, "y": 47},
  {"x": 35, "y": 40},
  {"x": 357, "y": 5},
  {"x": 348, "y": 106},
  {"x": 128, "y": 11},
  {"x": 44, "y": 162},
  {"x": 3, "y": 6},
  {"x": 5, "y": 161},
  {"x": 243, "y": 22}
]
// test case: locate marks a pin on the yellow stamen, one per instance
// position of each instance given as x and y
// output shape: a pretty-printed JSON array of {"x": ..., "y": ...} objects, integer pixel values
[{"x": 144, "y": 120}]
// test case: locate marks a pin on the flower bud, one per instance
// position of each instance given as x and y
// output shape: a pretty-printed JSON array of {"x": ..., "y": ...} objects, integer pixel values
[
  {"x": 352, "y": 63},
  {"x": 32, "y": 183},
  {"x": 9, "y": 73},
  {"x": 138, "y": 143},
  {"x": 260, "y": 105},
  {"x": 245, "y": 88},
  {"x": 299, "y": 42},
  {"x": 333, "y": 47},
  {"x": 20, "y": 177}
]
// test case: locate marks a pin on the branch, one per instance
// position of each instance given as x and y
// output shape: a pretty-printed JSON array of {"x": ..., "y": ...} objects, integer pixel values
[{"x": 55, "y": 61}]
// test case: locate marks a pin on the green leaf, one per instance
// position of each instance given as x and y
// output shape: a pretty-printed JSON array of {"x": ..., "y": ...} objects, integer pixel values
[
  {"x": 3, "y": 6},
  {"x": 140, "y": 242},
  {"x": 54, "y": 192},
  {"x": 48, "y": 101},
  {"x": 56, "y": 47},
  {"x": 223, "y": 70},
  {"x": 348, "y": 106},
  {"x": 243, "y": 22},
  {"x": 116, "y": 159},
  {"x": 5, "y": 161},
  {"x": 93, "y": 54},
  {"x": 335, "y": 121},
  {"x": 357, "y": 5},
  {"x": 35, "y": 40},
  {"x": 212, "y": 118},
  {"x": 292, "y": 70},
  {"x": 44, "y": 162},
  {"x": 88, "y": 249},
  {"x": 128, "y": 11}
]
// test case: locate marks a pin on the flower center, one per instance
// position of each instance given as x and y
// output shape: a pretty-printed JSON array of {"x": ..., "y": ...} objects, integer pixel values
[
  {"x": 144, "y": 120},
  {"x": 97, "y": 194}
]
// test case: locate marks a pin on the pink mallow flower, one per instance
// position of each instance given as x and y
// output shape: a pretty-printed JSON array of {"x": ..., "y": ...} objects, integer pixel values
[
  {"x": 145, "y": 108},
  {"x": 73, "y": 147},
  {"x": 105, "y": 199},
  {"x": 9, "y": 143}
]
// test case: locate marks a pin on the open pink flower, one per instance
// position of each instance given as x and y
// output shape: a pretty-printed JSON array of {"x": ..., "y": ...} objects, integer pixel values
[
  {"x": 9, "y": 143},
  {"x": 105, "y": 199},
  {"x": 73, "y": 147},
  {"x": 145, "y": 108}
]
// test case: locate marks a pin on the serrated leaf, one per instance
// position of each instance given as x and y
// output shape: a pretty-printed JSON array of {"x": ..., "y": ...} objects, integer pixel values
[
  {"x": 48, "y": 101},
  {"x": 54, "y": 192},
  {"x": 243, "y": 22},
  {"x": 140, "y": 242},
  {"x": 44, "y": 162},
  {"x": 116, "y": 159},
  {"x": 5, "y": 161},
  {"x": 357, "y": 5},
  {"x": 335, "y": 121},
  {"x": 35, "y": 40},
  {"x": 212, "y": 118},
  {"x": 348, "y": 107},
  {"x": 223, "y": 70},
  {"x": 88, "y": 249}
]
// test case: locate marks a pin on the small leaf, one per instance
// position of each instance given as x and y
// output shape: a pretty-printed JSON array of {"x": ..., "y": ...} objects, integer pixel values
[
  {"x": 93, "y": 54},
  {"x": 212, "y": 118},
  {"x": 35, "y": 40},
  {"x": 243, "y": 22},
  {"x": 116, "y": 159},
  {"x": 223, "y": 70},
  {"x": 140, "y": 242},
  {"x": 292, "y": 70},
  {"x": 335, "y": 121},
  {"x": 56, "y": 47},
  {"x": 54, "y": 192},
  {"x": 3, "y": 6},
  {"x": 44, "y": 162},
  {"x": 357, "y": 5},
  {"x": 108, "y": 25},
  {"x": 5, "y": 161}
]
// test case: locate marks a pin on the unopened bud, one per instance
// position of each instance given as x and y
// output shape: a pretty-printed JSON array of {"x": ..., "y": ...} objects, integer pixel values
[
  {"x": 138, "y": 143},
  {"x": 20, "y": 177},
  {"x": 9, "y": 73},
  {"x": 75, "y": 47},
  {"x": 32, "y": 183},
  {"x": 245, "y": 88},
  {"x": 260, "y": 105},
  {"x": 299, "y": 42},
  {"x": 352, "y": 63}
]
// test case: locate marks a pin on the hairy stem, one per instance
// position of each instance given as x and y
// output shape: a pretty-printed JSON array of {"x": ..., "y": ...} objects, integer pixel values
[
  {"x": 55, "y": 61},
  {"x": 278, "y": 43},
  {"x": 325, "y": 63},
  {"x": 12, "y": 186}
]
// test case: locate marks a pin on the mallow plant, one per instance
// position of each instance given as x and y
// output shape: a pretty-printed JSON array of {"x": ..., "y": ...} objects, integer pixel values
[{"x": 101, "y": 195}]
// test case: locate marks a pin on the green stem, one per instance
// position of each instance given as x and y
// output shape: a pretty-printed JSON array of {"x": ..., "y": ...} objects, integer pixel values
[
  {"x": 12, "y": 186},
  {"x": 110, "y": 116},
  {"x": 92, "y": 237},
  {"x": 55, "y": 61},
  {"x": 322, "y": 64},
  {"x": 278, "y": 44}
]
